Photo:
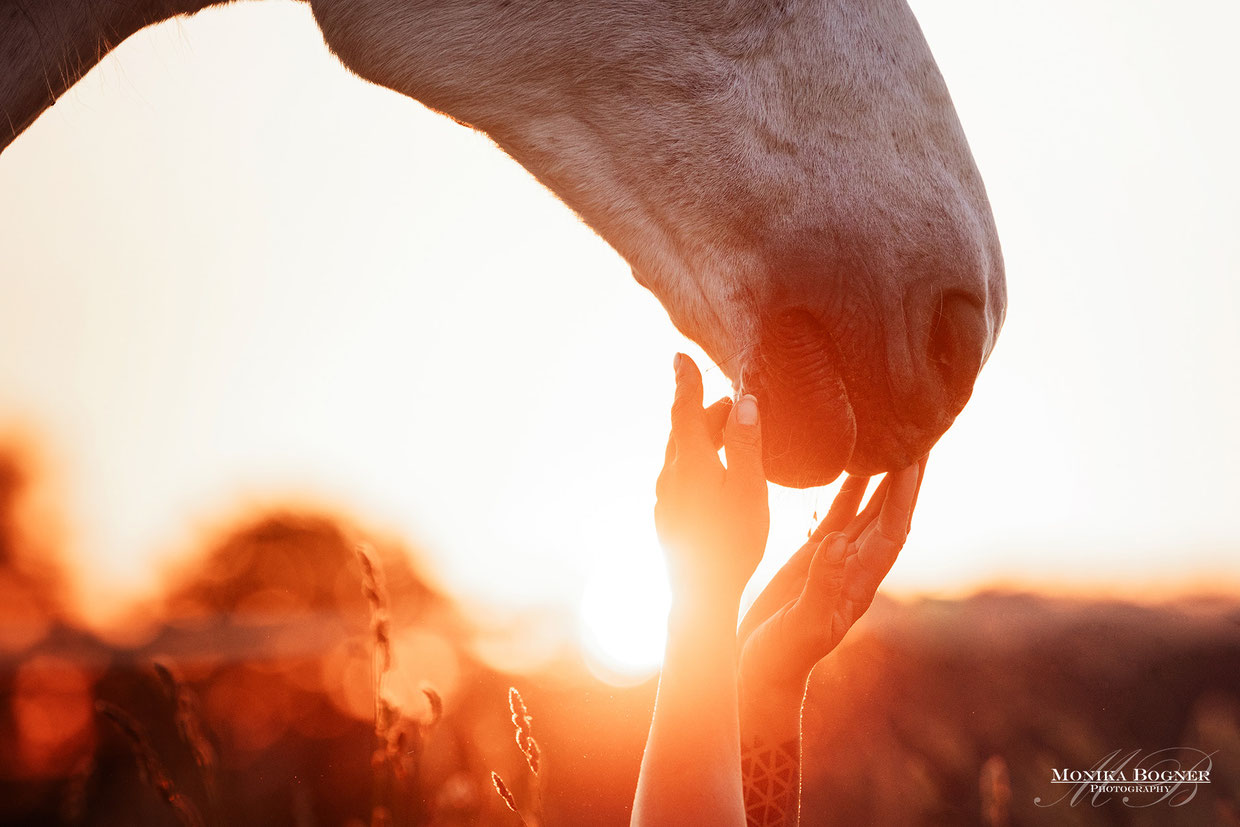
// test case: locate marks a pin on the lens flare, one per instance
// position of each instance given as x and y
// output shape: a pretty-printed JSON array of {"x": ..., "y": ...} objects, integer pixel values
[{"x": 623, "y": 617}]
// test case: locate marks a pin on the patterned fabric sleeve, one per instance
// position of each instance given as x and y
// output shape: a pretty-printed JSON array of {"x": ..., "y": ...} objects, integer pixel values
[{"x": 771, "y": 774}]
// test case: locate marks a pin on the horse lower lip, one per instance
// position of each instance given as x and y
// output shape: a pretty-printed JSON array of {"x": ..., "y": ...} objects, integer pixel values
[{"x": 810, "y": 430}]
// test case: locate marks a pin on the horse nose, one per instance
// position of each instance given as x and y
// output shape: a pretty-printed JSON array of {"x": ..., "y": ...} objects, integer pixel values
[{"x": 956, "y": 347}]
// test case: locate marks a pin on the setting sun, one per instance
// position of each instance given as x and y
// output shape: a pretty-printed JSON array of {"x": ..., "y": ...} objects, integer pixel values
[
  {"x": 329, "y": 433},
  {"x": 623, "y": 616}
]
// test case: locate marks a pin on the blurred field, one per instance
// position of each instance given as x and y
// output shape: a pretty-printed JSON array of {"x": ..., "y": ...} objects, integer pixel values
[{"x": 933, "y": 712}]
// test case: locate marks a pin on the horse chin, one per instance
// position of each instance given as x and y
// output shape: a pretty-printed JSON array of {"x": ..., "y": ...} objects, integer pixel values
[
  {"x": 807, "y": 448},
  {"x": 805, "y": 458},
  {"x": 870, "y": 459}
]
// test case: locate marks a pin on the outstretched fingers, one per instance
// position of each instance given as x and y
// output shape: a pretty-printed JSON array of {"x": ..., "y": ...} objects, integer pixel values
[
  {"x": 825, "y": 580},
  {"x": 857, "y": 525},
  {"x": 689, "y": 428},
  {"x": 843, "y": 507},
  {"x": 897, "y": 512},
  {"x": 716, "y": 417},
  {"x": 921, "y": 475},
  {"x": 790, "y": 581},
  {"x": 880, "y": 543},
  {"x": 701, "y": 430},
  {"x": 812, "y": 628}
]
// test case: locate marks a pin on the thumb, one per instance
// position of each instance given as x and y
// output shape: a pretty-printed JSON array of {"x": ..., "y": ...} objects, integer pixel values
[
  {"x": 825, "y": 581},
  {"x": 742, "y": 445}
]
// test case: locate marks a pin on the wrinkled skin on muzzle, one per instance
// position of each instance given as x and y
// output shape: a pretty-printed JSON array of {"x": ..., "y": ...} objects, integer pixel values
[{"x": 789, "y": 179}]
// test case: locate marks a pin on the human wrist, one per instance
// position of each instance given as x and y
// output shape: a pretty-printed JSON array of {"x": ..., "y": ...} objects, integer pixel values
[
  {"x": 770, "y": 711},
  {"x": 771, "y": 695},
  {"x": 716, "y": 608}
]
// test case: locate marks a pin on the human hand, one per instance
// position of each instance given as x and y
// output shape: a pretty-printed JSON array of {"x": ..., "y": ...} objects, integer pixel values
[
  {"x": 712, "y": 521},
  {"x": 812, "y": 602}
]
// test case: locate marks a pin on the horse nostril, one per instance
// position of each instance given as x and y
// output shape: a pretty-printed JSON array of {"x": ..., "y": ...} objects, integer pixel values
[{"x": 954, "y": 350}]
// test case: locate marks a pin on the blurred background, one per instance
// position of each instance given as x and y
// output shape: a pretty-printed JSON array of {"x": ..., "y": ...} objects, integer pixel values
[{"x": 254, "y": 310}]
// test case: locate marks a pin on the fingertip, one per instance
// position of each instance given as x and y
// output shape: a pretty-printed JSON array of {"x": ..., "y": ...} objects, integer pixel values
[
  {"x": 742, "y": 441},
  {"x": 743, "y": 434},
  {"x": 921, "y": 476},
  {"x": 905, "y": 481},
  {"x": 688, "y": 385},
  {"x": 685, "y": 367},
  {"x": 746, "y": 410}
]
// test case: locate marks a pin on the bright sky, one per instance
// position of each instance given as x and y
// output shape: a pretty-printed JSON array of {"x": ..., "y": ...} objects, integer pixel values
[{"x": 233, "y": 273}]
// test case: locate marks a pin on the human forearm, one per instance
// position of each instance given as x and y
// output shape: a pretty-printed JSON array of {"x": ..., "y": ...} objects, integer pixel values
[
  {"x": 691, "y": 770},
  {"x": 712, "y": 521},
  {"x": 770, "y": 720}
]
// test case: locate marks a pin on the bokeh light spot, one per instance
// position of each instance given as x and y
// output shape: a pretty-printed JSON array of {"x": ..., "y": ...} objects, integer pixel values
[{"x": 623, "y": 614}]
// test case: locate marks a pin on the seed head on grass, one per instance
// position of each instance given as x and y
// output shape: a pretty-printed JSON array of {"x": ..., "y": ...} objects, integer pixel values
[
  {"x": 386, "y": 716},
  {"x": 397, "y": 752},
  {"x": 521, "y": 720},
  {"x": 190, "y": 726},
  {"x": 436, "y": 703},
  {"x": 506, "y": 795},
  {"x": 150, "y": 767},
  {"x": 516, "y": 705},
  {"x": 375, "y": 592},
  {"x": 533, "y": 755}
]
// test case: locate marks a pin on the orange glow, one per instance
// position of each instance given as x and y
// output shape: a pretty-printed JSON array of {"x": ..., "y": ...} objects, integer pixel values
[
  {"x": 421, "y": 658},
  {"x": 135, "y": 626},
  {"x": 250, "y": 707},
  {"x": 25, "y": 622},
  {"x": 423, "y": 335},
  {"x": 53, "y": 710},
  {"x": 255, "y": 309},
  {"x": 623, "y": 617}
]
